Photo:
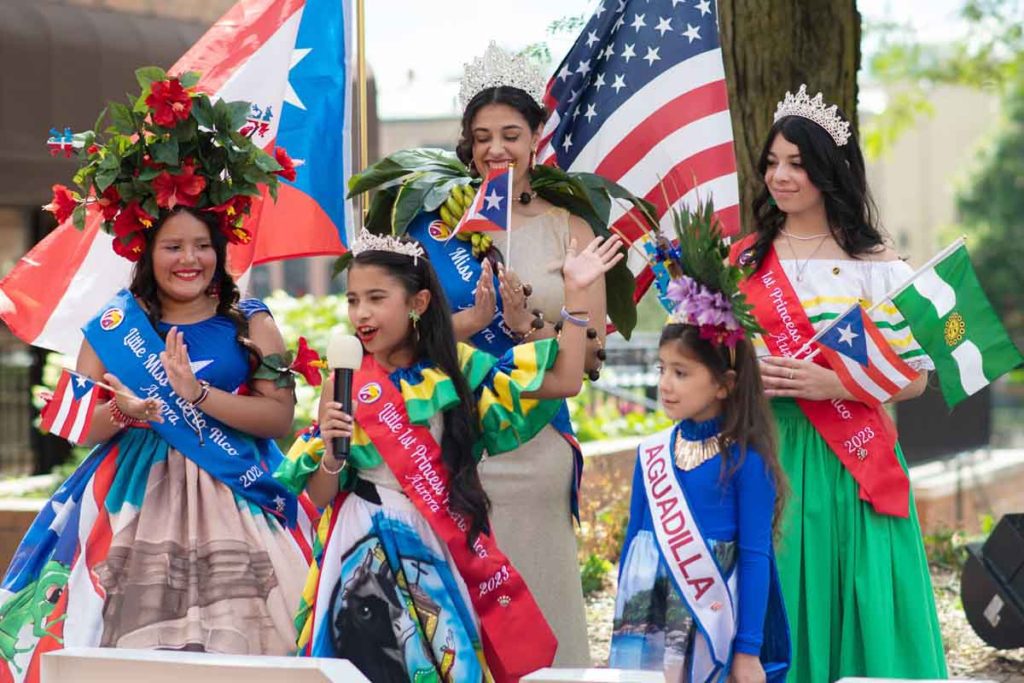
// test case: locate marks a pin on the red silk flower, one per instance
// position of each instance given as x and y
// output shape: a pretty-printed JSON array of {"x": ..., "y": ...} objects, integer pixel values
[
  {"x": 232, "y": 211},
  {"x": 130, "y": 246},
  {"x": 179, "y": 189},
  {"x": 169, "y": 101},
  {"x": 63, "y": 203},
  {"x": 132, "y": 219},
  {"x": 109, "y": 203},
  {"x": 287, "y": 165},
  {"x": 306, "y": 363}
]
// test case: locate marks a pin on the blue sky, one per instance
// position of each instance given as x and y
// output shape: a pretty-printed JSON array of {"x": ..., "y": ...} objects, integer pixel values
[{"x": 417, "y": 48}]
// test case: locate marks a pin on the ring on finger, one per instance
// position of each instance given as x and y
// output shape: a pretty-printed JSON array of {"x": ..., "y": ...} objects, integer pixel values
[{"x": 792, "y": 374}]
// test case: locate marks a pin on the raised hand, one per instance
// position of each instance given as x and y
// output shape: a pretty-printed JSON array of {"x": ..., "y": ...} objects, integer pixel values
[
  {"x": 485, "y": 302},
  {"x": 178, "y": 366},
  {"x": 513, "y": 298},
  {"x": 584, "y": 268},
  {"x": 141, "y": 409}
]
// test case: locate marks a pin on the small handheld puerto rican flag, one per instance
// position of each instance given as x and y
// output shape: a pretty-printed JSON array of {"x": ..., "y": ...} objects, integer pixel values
[
  {"x": 858, "y": 352},
  {"x": 491, "y": 209},
  {"x": 69, "y": 413}
]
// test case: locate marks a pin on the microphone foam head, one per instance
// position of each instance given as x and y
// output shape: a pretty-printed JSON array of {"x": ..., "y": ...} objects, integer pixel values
[{"x": 344, "y": 351}]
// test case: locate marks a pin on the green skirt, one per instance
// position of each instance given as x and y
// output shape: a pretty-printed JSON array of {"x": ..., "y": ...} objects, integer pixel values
[{"x": 856, "y": 583}]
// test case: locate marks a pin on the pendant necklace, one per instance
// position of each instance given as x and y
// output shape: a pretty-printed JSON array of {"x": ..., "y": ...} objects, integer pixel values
[{"x": 789, "y": 241}]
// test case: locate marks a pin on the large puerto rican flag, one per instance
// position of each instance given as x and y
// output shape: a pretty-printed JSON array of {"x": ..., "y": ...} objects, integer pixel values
[
  {"x": 292, "y": 60},
  {"x": 641, "y": 99}
]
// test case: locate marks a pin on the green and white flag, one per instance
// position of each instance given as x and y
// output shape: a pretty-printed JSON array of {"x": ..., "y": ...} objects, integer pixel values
[{"x": 954, "y": 323}]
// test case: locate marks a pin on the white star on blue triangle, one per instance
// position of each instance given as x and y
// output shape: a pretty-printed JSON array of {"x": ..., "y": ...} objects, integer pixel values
[{"x": 846, "y": 336}]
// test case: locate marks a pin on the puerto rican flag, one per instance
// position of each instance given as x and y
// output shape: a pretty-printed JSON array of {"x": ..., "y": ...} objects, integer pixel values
[
  {"x": 69, "y": 413},
  {"x": 641, "y": 100},
  {"x": 491, "y": 210},
  {"x": 867, "y": 366},
  {"x": 292, "y": 60}
]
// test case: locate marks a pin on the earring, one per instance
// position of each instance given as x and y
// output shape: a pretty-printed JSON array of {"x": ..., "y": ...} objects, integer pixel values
[
  {"x": 415, "y": 318},
  {"x": 533, "y": 159}
]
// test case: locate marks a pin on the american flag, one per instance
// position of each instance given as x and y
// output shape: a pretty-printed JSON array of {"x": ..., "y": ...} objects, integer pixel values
[
  {"x": 641, "y": 100},
  {"x": 858, "y": 352},
  {"x": 69, "y": 412}
]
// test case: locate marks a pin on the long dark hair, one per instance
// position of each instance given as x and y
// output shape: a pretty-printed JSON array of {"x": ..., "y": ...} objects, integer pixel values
[
  {"x": 746, "y": 417},
  {"x": 534, "y": 113},
  {"x": 222, "y": 285},
  {"x": 838, "y": 172},
  {"x": 434, "y": 338}
]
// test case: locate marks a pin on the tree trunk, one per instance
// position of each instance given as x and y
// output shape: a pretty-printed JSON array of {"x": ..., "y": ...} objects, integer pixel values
[{"x": 771, "y": 46}]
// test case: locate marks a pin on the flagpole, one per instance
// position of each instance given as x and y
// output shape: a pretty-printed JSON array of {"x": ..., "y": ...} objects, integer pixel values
[
  {"x": 957, "y": 243},
  {"x": 364, "y": 152},
  {"x": 508, "y": 217}
]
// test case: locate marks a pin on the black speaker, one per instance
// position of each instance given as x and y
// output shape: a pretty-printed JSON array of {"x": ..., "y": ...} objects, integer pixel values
[{"x": 992, "y": 585}]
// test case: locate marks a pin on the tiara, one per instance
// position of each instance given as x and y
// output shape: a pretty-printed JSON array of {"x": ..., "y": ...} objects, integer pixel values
[
  {"x": 498, "y": 67},
  {"x": 367, "y": 241},
  {"x": 814, "y": 110}
]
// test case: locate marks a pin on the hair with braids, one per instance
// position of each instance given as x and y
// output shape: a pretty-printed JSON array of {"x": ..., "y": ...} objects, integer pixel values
[
  {"x": 534, "y": 113},
  {"x": 746, "y": 417},
  {"x": 838, "y": 172},
  {"x": 222, "y": 285},
  {"x": 433, "y": 339}
]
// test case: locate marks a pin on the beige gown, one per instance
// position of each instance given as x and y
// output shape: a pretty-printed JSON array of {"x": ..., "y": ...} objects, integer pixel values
[{"x": 530, "y": 486}]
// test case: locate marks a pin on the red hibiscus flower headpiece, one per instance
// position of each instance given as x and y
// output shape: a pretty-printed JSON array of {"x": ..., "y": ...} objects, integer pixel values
[{"x": 173, "y": 148}]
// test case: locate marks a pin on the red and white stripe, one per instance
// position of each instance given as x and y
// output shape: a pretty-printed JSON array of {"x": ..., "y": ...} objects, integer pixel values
[
  {"x": 885, "y": 375},
  {"x": 670, "y": 143},
  {"x": 66, "y": 416}
]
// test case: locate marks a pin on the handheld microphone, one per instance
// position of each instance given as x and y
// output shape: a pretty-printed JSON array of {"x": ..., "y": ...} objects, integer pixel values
[{"x": 344, "y": 356}]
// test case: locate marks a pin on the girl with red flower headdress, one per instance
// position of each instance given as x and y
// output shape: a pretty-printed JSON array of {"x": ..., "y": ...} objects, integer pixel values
[{"x": 171, "y": 534}]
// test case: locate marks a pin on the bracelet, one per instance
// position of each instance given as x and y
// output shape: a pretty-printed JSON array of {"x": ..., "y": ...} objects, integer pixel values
[
  {"x": 570, "y": 317},
  {"x": 118, "y": 416},
  {"x": 329, "y": 471},
  {"x": 204, "y": 391}
]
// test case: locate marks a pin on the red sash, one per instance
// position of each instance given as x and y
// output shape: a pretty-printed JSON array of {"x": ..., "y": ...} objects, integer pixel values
[
  {"x": 863, "y": 438},
  {"x": 516, "y": 638}
]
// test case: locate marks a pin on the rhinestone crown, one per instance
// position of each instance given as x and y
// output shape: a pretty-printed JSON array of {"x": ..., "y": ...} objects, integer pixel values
[
  {"x": 367, "y": 241},
  {"x": 499, "y": 67},
  {"x": 815, "y": 110}
]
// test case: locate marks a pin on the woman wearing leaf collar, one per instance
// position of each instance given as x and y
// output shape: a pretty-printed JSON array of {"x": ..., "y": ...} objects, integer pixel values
[
  {"x": 171, "y": 534},
  {"x": 533, "y": 490}
]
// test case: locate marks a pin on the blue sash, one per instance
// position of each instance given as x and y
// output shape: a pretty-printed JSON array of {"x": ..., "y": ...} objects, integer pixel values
[
  {"x": 126, "y": 342},
  {"x": 458, "y": 270}
]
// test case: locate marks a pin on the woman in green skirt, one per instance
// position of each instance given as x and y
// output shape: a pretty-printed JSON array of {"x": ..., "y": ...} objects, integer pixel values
[{"x": 851, "y": 559}]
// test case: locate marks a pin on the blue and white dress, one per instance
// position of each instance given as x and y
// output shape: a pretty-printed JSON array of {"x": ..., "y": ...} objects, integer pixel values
[
  {"x": 142, "y": 548},
  {"x": 653, "y": 627}
]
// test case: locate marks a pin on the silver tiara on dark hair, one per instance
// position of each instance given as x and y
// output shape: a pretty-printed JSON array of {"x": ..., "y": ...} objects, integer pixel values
[
  {"x": 498, "y": 67},
  {"x": 815, "y": 110},
  {"x": 367, "y": 241}
]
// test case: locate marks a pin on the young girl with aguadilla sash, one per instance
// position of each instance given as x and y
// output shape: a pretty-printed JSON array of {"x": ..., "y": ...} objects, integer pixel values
[
  {"x": 698, "y": 593},
  {"x": 409, "y": 583}
]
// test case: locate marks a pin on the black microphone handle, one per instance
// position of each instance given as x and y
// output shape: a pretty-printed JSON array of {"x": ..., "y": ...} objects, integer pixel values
[{"x": 343, "y": 395}]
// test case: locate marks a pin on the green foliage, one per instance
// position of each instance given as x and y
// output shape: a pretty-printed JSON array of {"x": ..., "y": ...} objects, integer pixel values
[
  {"x": 414, "y": 180},
  {"x": 594, "y": 574},
  {"x": 313, "y": 318},
  {"x": 990, "y": 55},
  {"x": 946, "y": 548},
  {"x": 991, "y": 208},
  {"x": 597, "y": 417}
]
